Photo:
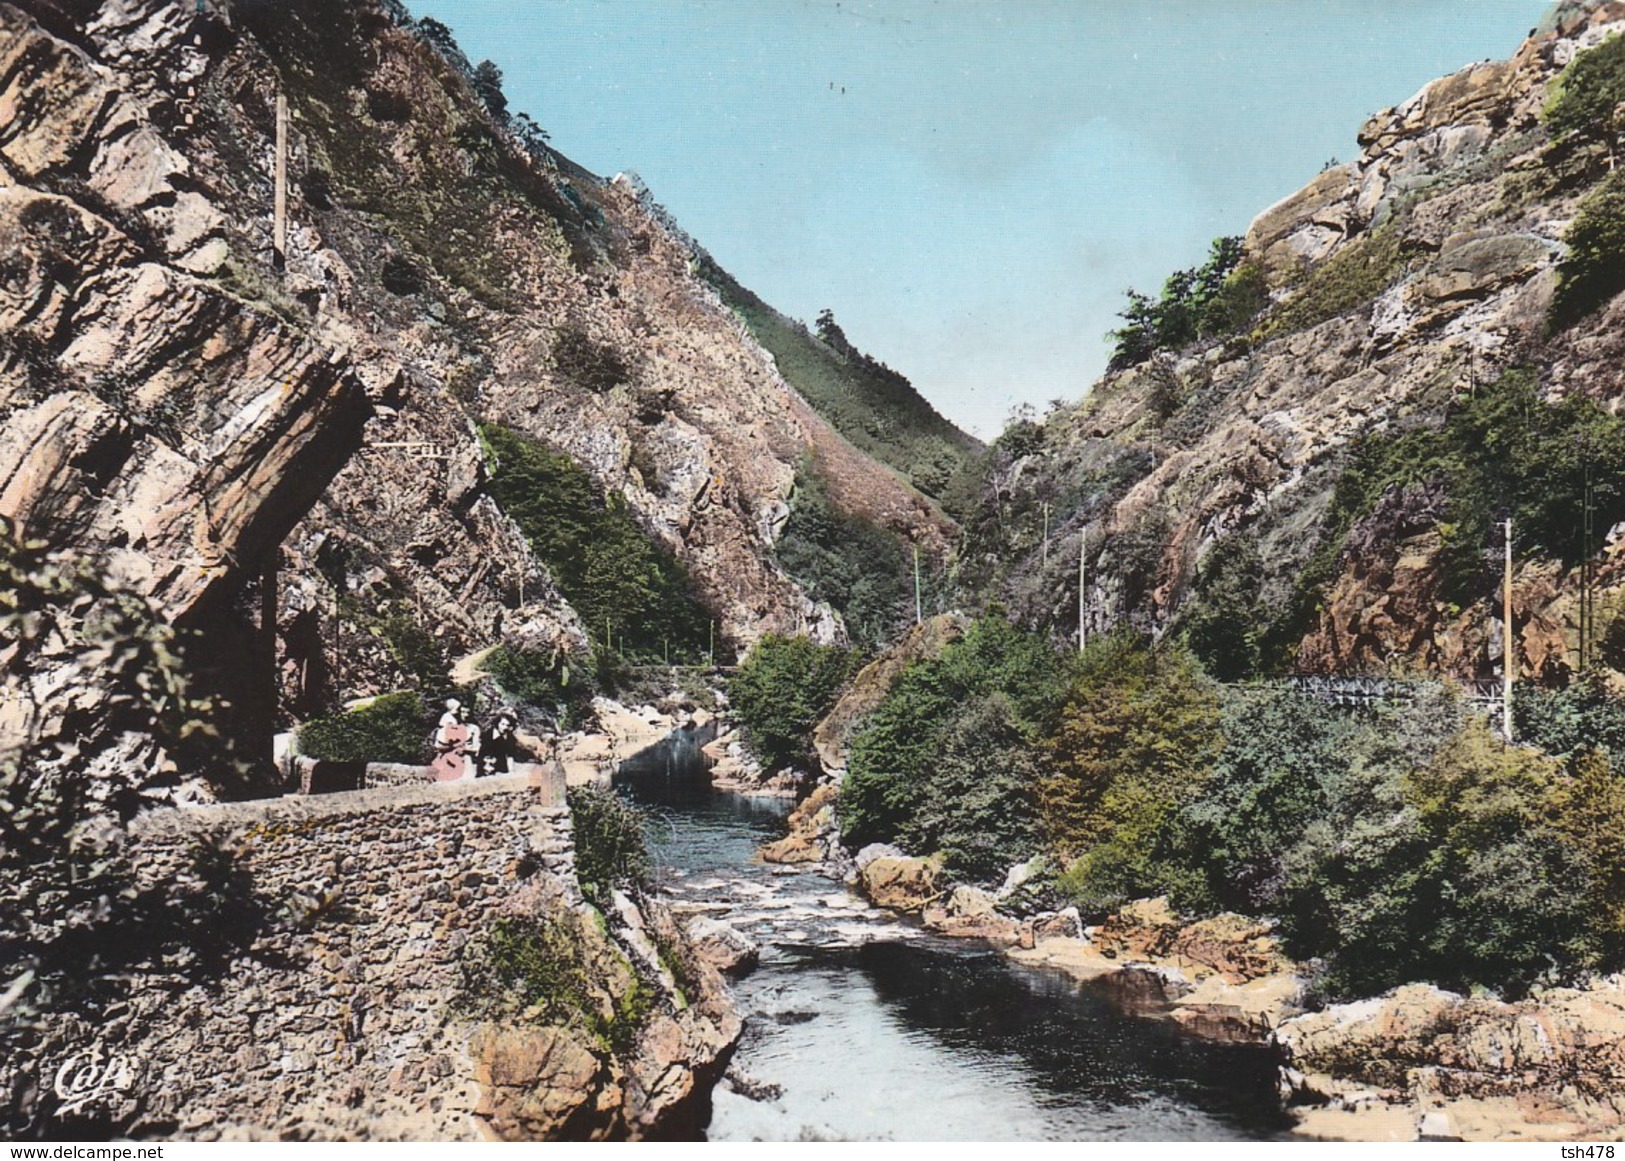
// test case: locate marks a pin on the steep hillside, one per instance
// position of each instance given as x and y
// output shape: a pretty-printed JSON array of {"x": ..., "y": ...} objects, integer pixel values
[
  {"x": 1316, "y": 482},
  {"x": 248, "y": 443},
  {"x": 873, "y": 406}
]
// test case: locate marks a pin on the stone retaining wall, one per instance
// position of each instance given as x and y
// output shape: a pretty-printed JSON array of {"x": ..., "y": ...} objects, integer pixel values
[{"x": 337, "y": 1020}]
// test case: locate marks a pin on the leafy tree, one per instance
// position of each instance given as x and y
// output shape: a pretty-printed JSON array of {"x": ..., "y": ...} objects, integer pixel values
[
  {"x": 980, "y": 811},
  {"x": 1216, "y": 298},
  {"x": 1281, "y": 751},
  {"x": 782, "y": 690},
  {"x": 1572, "y": 723},
  {"x": 1586, "y": 96},
  {"x": 1590, "y": 817},
  {"x": 487, "y": 84},
  {"x": 1137, "y": 733},
  {"x": 914, "y": 763},
  {"x": 1445, "y": 869}
]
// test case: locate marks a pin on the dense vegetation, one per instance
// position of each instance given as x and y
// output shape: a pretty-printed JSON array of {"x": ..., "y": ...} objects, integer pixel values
[
  {"x": 1218, "y": 298},
  {"x": 610, "y": 849},
  {"x": 100, "y": 721},
  {"x": 862, "y": 571},
  {"x": 873, "y": 406},
  {"x": 1405, "y": 844},
  {"x": 1500, "y": 451},
  {"x": 1583, "y": 108},
  {"x": 391, "y": 728},
  {"x": 781, "y": 691},
  {"x": 945, "y": 764},
  {"x": 630, "y": 590}
]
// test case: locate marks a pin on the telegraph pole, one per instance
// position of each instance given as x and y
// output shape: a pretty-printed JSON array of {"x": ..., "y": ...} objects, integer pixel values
[
  {"x": 279, "y": 212},
  {"x": 917, "y": 609},
  {"x": 1507, "y": 660},
  {"x": 1083, "y": 587}
]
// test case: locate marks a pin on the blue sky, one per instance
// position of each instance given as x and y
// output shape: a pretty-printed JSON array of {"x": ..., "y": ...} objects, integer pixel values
[{"x": 970, "y": 185}]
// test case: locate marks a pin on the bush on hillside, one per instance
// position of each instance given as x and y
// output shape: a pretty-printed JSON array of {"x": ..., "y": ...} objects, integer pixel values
[
  {"x": 1281, "y": 750},
  {"x": 1446, "y": 870},
  {"x": 1593, "y": 269},
  {"x": 611, "y": 850},
  {"x": 1572, "y": 722},
  {"x": 1215, "y": 299},
  {"x": 1585, "y": 97},
  {"x": 556, "y": 682},
  {"x": 782, "y": 690},
  {"x": 1136, "y": 736},
  {"x": 1225, "y": 620},
  {"x": 912, "y": 763},
  {"x": 861, "y": 570},
  {"x": 392, "y": 728},
  {"x": 625, "y": 584}
]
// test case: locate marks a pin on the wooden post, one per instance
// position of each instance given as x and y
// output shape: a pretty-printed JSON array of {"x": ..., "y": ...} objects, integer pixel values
[
  {"x": 1083, "y": 588},
  {"x": 279, "y": 219},
  {"x": 917, "y": 609},
  {"x": 1508, "y": 662}
]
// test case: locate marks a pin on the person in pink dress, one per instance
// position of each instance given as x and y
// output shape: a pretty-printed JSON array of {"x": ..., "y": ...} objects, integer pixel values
[{"x": 450, "y": 741}]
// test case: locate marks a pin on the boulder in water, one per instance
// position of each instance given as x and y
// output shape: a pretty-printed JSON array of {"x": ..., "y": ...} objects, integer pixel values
[{"x": 723, "y": 946}]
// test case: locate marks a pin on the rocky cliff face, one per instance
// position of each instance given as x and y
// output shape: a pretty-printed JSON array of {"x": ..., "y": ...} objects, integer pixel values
[
  {"x": 1413, "y": 275},
  {"x": 252, "y": 443}
]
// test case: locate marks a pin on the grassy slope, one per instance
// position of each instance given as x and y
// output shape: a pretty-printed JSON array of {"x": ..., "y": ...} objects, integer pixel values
[{"x": 880, "y": 412}]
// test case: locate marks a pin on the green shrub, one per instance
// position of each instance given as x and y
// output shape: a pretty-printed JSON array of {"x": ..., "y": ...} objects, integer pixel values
[
  {"x": 1441, "y": 868},
  {"x": 920, "y": 774},
  {"x": 537, "y": 969},
  {"x": 392, "y": 728},
  {"x": 863, "y": 571},
  {"x": 1590, "y": 817},
  {"x": 1572, "y": 722},
  {"x": 782, "y": 690},
  {"x": 624, "y": 584},
  {"x": 1593, "y": 270},
  {"x": 1134, "y": 741},
  {"x": 1584, "y": 97},
  {"x": 611, "y": 851},
  {"x": 546, "y": 680},
  {"x": 979, "y": 812},
  {"x": 1351, "y": 278},
  {"x": 1281, "y": 749},
  {"x": 1215, "y": 299},
  {"x": 1225, "y": 620}
]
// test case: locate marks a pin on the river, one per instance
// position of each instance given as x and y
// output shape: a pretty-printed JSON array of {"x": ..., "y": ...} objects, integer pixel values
[{"x": 861, "y": 1026}]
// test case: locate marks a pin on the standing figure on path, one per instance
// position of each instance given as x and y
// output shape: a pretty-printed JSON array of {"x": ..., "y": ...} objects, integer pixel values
[
  {"x": 450, "y": 738},
  {"x": 496, "y": 752}
]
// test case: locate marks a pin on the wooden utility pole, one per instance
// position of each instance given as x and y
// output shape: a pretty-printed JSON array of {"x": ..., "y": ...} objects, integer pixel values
[
  {"x": 918, "y": 617},
  {"x": 1508, "y": 663},
  {"x": 1046, "y": 532},
  {"x": 279, "y": 211},
  {"x": 1083, "y": 588}
]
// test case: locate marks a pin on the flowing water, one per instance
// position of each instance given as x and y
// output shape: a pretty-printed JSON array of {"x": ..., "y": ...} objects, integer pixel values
[{"x": 859, "y": 1025}]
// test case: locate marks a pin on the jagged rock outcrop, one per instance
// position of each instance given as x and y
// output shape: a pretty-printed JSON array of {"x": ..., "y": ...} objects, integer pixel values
[
  {"x": 176, "y": 403},
  {"x": 1423, "y": 268},
  {"x": 1477, "y": 1069}
]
